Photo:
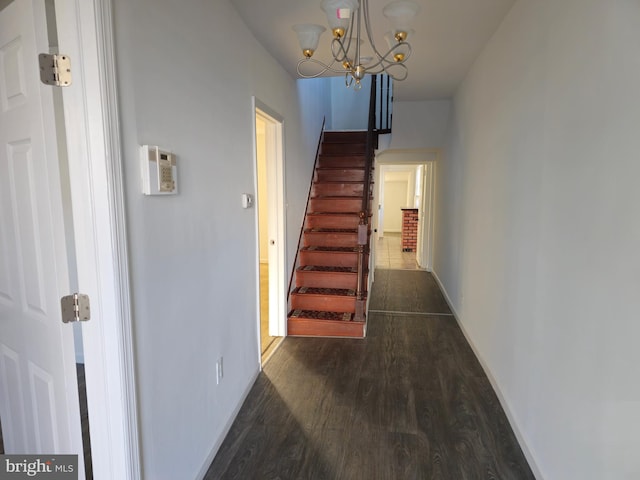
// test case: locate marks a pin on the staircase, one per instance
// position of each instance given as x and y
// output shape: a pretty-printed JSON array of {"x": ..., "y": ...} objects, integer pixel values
[{"x": 324, "y": 298}]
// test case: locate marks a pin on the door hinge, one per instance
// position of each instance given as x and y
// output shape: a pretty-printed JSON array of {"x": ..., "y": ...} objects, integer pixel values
[
  {"x": 55, "y": 69},
  {"x": 75, "y": 308}
]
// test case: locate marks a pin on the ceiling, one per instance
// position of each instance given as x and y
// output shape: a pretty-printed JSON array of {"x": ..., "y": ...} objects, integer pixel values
[{"x": 449, "y": 35}]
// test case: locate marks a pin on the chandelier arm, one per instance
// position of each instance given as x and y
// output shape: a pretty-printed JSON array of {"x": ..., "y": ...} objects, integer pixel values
[
  {"x": 324, "y": 68},
  {"x": 341, "y": 54},
  {"x": 384, "y": 59},
  {"x": 341, "y": 46},
  {"x": 398, "y": 77}
]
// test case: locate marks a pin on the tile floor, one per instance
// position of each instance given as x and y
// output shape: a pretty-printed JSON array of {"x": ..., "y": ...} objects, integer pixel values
[{"x": 389, "y": 254}]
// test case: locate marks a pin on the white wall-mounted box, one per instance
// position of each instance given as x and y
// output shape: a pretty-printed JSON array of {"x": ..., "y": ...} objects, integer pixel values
[{"x": 159, "y": 171}]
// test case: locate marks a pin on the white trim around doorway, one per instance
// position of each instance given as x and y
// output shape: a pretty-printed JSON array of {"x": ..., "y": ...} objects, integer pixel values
[
  {"x": 85, "y": 32},
  {"x": 277, "y": 225}
]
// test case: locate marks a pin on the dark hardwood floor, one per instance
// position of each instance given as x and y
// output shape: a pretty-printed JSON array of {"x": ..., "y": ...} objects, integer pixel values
[
  {"x": 403, "y": 291},
  {"x": 84, "y": 420},
  {"x": 410, "y": 401}
]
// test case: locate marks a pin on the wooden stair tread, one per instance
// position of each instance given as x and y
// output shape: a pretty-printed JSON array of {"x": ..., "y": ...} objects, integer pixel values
[
  {"x": 327, "y": 269},
  {"x": 339, "y": 182},
  {"x": 331, "y": 230},
  {"x": 329, "y": 249},
  {"x": 334, "y": 213},
  {"x": 342, "y": 167},
  {"x": 343, "y": 292},
  {"x": 337, "y": 197},
  {"x": 348, "y": 214},
  {"x": 320, "y": 315}
]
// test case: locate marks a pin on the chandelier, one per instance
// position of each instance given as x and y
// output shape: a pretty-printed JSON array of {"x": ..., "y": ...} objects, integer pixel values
[{"x": 345, "y": 19}]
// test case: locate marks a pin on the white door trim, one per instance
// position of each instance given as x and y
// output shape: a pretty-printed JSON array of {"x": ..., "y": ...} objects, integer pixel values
[
  {"x": 427, "y": 216},
  {"x": 276, "y": 187},
  {"x": 85, "y": 33}
]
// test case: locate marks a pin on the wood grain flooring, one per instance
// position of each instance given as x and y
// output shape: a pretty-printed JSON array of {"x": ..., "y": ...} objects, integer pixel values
[
  {"x": 408, "y": 402},
  {"x": 402, "y": 291}
]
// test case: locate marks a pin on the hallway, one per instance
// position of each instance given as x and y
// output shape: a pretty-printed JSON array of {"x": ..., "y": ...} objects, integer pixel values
[
  {"x": 389, "y": 254},
  {"x": 410, "y": 401}
]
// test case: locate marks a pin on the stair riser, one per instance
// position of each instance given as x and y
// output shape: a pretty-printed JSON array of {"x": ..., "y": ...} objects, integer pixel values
[
  {"x": 323, "y": 303},
  {"x": 332, "y": 221},
  {"x": 326, "y": 280},
  {"x": 335, "y": 204},
  {"x": 322, "y": 328},
  {"x": 345, "y": 161},
  {"x": 345, "y": 137},
  {"x": 342, "y": 148},
  {"x": 330, "y": 239},
  {"x": 344, "y": 175},
  {"x": 329, "y": 259},
  {"x": 337, "y": 189}
]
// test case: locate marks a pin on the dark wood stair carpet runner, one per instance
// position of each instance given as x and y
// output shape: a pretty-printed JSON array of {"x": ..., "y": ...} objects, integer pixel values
[
  {"x": 323, "y": 248},
  {"x": 319, "y": 268},
  {"x": 325, "y": 291}
]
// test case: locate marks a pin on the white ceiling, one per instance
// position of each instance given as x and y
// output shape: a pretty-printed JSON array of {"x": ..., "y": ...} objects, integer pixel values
[{"x": 449, "y": 35}]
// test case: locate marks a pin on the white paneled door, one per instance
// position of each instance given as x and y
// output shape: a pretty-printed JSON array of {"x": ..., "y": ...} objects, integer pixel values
[{"x": 39, "y": 407}]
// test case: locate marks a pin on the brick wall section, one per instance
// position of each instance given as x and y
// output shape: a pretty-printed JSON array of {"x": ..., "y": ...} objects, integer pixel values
[{"x": 409, "y": 229}]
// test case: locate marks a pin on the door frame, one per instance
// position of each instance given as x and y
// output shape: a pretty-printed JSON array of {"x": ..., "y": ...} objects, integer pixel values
[
  {"x": 85, "y": 33},
  {"x": 426, "y": 216},
  {"x": 428, "y": 157},
  {"x": 277, "y": 225}
]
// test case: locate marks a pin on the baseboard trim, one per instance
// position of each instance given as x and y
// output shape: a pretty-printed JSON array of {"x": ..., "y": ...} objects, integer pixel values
[
  {"x": 528, "y": 453},
  {"x": 227, "y": 428}
]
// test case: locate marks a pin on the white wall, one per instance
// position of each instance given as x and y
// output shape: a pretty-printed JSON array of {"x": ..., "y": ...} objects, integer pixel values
[
  {"x": 315, "y": 95},
  {"x": 537, "y": 229},
  {"x": 420, "y": 124},
  {"x": 397, "y": 184},
  {"x": 395, "y": 198},
  {"x": 193, "y": 256},
  {"x": 350, "y": 107}
]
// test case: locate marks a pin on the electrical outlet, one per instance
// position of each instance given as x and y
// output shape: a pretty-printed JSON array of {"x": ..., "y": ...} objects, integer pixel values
[{"x": 219, "y": 371}]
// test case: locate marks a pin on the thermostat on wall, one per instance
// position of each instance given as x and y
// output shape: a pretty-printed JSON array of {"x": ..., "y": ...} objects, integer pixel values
[{"x": 159, "y": 171}]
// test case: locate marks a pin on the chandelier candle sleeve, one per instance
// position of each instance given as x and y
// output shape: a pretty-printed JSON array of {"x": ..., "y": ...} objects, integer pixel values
[
  {"x": 339, "y": 14},
  {"x": 308, "y": 37},
  {"x": 400, "y": 14}
]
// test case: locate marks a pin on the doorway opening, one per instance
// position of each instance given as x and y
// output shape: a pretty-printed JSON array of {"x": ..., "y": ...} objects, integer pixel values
[
  {"x": 270, "y": 227},
  {"x": 403, "y": 190}
]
